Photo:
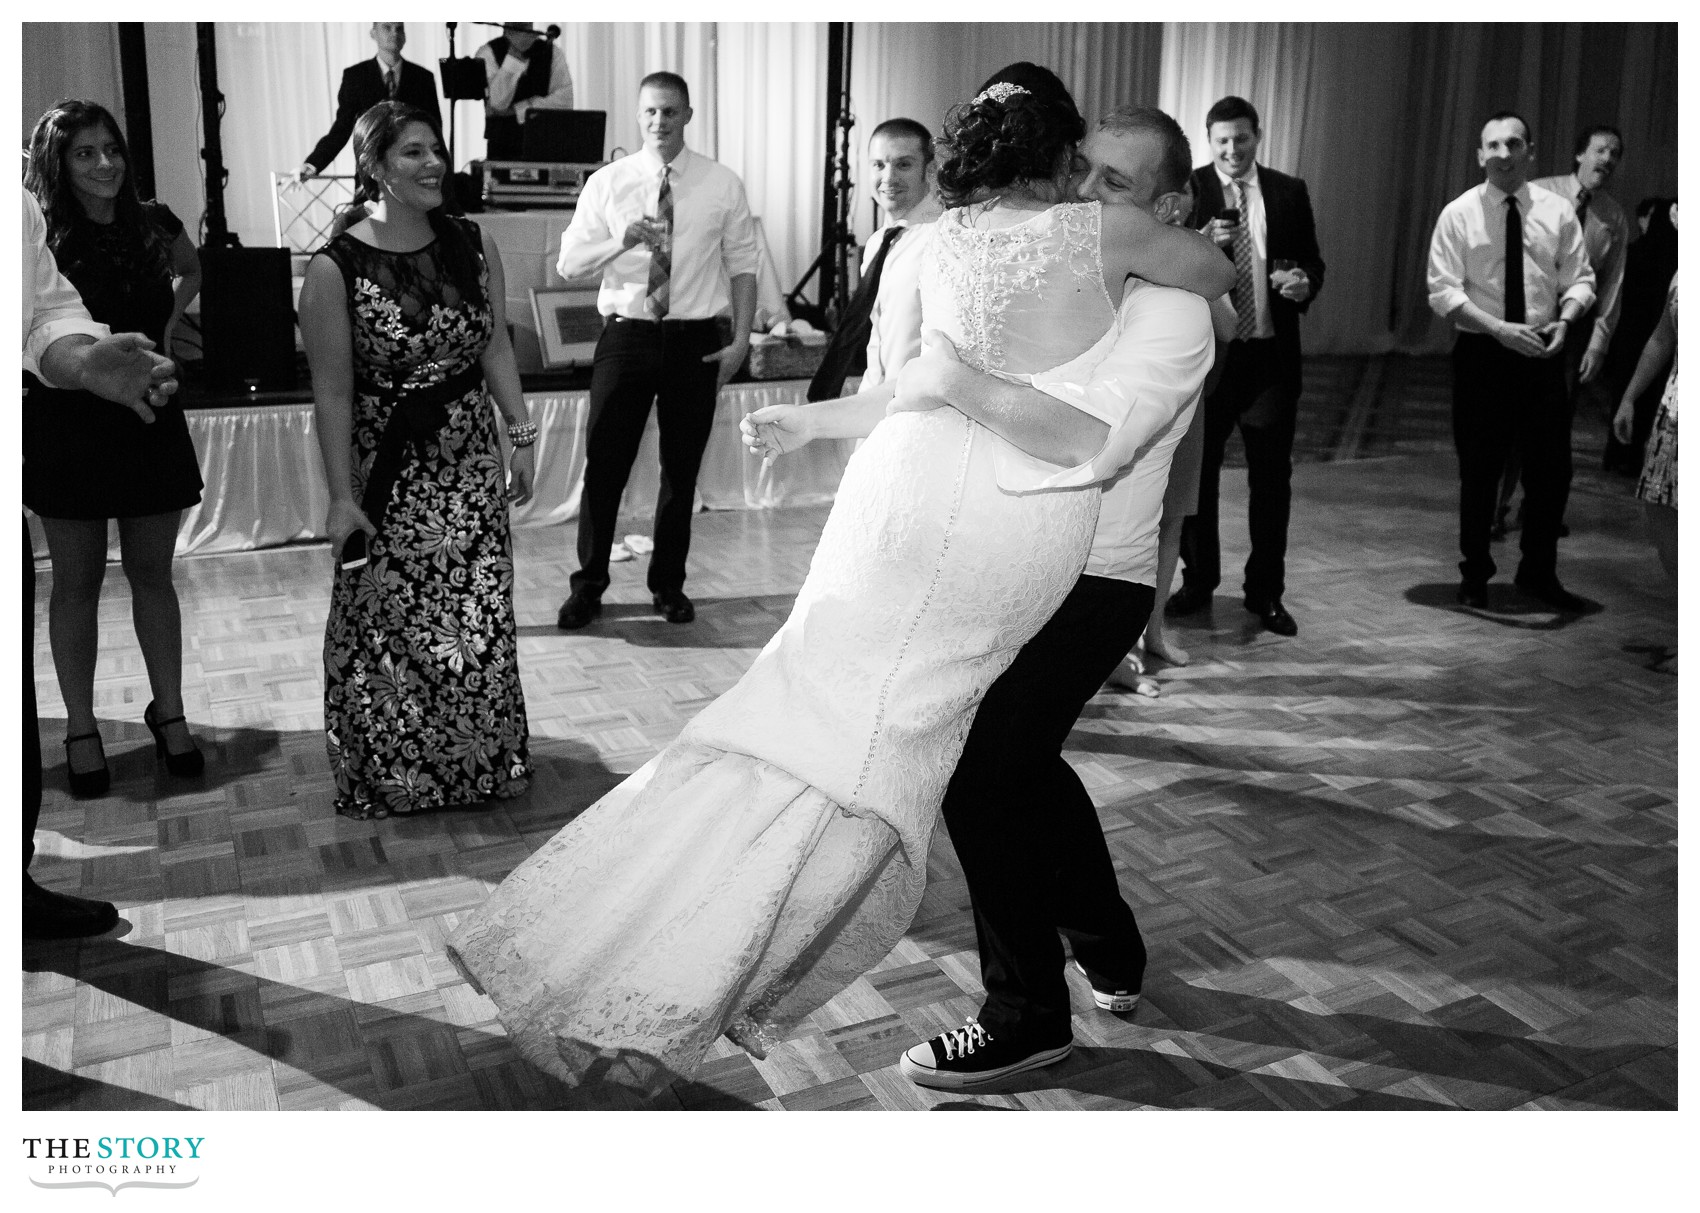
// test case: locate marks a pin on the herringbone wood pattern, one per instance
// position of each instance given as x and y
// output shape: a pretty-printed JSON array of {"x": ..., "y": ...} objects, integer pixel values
[{"x": 1414, "y": 858}]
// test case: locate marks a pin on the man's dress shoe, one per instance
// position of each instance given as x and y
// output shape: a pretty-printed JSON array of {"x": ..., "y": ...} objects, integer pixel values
[
  {"x": 1273, "y": 616},
  {"x": 1187, "y": 600},
  {"x": 674, "y": 606},
  {"x": 579, "y": 609}
]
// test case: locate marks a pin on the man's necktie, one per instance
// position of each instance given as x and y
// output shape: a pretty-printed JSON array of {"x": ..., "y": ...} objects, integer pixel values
[
  {"x": 1244, "y": 294},
  {"x": 846, "y": 354},
  {"x": 661, "y": 259},
  {"x": 1583, "y": 196},
  {"x": 1514, "y": 306},
  {"x": 390, "y": 78}
]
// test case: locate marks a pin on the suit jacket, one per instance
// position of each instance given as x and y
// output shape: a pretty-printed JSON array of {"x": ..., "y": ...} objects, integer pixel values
[
  {"x": 362, "y": 88},
  {"x": 1291, "y": 237}
]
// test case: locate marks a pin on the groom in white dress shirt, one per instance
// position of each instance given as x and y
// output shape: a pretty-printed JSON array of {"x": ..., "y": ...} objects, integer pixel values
[{"x": 1023, "y": 825}]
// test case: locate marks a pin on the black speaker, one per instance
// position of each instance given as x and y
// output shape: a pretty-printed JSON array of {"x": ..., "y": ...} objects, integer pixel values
[{"x": 247, "y": 319}]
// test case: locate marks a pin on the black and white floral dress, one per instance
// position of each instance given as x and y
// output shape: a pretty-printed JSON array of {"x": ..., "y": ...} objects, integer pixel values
[{"x": 423, "y": 706}]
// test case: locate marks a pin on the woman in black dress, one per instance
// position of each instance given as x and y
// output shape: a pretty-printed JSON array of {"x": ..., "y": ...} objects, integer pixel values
[
  {"x": 87, "y": 460},
  {"x": 403, "y": 319}
]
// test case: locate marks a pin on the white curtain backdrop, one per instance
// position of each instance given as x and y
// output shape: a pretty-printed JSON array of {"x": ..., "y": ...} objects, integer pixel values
[{"x": 773, "y": 131}]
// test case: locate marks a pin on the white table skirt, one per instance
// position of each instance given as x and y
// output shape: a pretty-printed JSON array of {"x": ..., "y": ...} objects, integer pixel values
[{"x": 265, "y": 485}]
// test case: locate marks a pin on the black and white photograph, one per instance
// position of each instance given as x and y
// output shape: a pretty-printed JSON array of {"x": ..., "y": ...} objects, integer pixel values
[{"x": 850, "y": 565}]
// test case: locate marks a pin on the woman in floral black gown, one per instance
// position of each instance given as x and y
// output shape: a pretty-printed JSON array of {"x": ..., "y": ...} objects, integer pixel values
[{"x": 402, "y": 316}]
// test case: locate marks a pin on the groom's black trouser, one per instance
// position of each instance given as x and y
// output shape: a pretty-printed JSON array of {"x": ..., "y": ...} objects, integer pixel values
[{"x": 1027, "y": 833}]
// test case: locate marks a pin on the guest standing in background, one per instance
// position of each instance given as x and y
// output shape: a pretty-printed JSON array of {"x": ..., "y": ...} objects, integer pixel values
[
  {"x": 384, "y": 77},
  {"x": 671, "y": 233},
  {"x": 881, "y": 329},
  {"x": 64, "y": 347},
  {"x": 1605, "y": 234},
  {"x": 1508, "y": 268},
  {"x": 1261, "y": 220},
  {"x": 1646, "y": 284},
  {"x": 402, "y": 316},
  {"x": 136, "y": 270},
  {"x": 524, "y": 71},
  {"x": 1657, "y": 487}
]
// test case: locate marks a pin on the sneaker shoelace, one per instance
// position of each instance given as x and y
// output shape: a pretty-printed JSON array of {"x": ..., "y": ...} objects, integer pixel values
[{"x": 964, "y": 1040}]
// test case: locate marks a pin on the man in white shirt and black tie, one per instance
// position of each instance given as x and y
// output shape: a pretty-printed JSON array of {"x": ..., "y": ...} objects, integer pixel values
[
  {"x": 672, "y": 234},
  {"x": 1508, "y": 267},
  {"x": 881, "y": 329}
]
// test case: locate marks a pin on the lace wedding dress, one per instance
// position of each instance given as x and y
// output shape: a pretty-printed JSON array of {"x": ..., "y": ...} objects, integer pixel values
[{"x": 777, "y": 850}]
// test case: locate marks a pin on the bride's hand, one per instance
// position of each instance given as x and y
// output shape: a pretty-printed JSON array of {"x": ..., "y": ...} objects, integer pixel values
[
  {"x": 926, "y": 381},
  {"x": 775, "y": 430}
]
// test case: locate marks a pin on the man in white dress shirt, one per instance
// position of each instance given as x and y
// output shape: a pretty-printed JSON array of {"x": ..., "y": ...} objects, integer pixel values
[
  {"x": 1605, "y": 234},
  {"x": 64, "y": 347},
  {"x": 523, "y": 72},
  {"x": 672, "y": 235},
  {"x": 1507, "y": 265},
  {"x": 1023, "y": 825},
  {"x": 881, "y": 328}
]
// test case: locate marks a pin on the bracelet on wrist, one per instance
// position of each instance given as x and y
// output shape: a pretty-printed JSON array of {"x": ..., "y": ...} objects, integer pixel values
[{"x": 522, "y": 433}]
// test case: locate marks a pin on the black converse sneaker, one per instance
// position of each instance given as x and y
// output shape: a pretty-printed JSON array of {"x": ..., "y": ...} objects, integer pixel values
[
  {"x": 1119, "y": 1001},
  {"x": 970, "y": 1055}
]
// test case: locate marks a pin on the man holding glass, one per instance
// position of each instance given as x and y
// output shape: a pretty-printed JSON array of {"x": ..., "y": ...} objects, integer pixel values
[{"x": 1261, "y": 219}]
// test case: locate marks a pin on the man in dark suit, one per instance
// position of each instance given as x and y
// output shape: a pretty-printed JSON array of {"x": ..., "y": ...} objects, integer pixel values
[
  {"x": 1262, "y": 220},
  {"x": 384, "y": 77}
]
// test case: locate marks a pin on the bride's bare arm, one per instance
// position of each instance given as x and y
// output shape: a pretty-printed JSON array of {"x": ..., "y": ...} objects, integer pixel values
[
  {"x": 1022, "y": 416},
  {"x": 1144, "y": 246},
  {"x": 779, "y": 429}
]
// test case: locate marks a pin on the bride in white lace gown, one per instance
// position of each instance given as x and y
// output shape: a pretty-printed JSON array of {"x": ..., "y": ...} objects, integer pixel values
[{"x": 777, "y": 849}]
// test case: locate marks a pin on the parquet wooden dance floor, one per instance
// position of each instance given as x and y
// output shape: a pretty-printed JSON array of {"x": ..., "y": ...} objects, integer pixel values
[{"x": 1416, "y": 857}]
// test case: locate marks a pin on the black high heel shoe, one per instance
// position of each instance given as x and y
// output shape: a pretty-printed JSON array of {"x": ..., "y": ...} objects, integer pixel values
[
  {"x": 184, "y": 765},
  {"x": 86, "y": 785}
]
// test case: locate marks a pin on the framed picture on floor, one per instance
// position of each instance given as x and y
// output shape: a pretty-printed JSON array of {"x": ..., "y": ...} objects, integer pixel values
[{"x": 568, "y": 324}]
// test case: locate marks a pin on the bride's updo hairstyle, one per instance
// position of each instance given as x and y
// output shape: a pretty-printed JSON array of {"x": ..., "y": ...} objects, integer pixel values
[{"x": 1021, "y": 126}]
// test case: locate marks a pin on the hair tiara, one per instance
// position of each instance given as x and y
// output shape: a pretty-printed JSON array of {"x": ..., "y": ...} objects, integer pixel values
[{"x": 1002, "y": 91}]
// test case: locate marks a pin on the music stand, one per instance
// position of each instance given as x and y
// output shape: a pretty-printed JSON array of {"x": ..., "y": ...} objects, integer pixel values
[{"x": 463, "y": 80}]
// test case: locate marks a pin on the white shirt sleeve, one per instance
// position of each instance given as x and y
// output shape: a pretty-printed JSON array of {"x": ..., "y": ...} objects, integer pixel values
[
  {"x": 51, "y": 306},
  {"x": 1446, "y": 263},
  {"x": 738, "y": 245},
  {"x": 1609, "y": 283},
  {"x": 560, "y": 94},
  {"x": 587, "y": 245},
  {"x": 1575, "y": 275},
  {"x": 1164, "y": 347},
  {"x": 502, "y": 78}
]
